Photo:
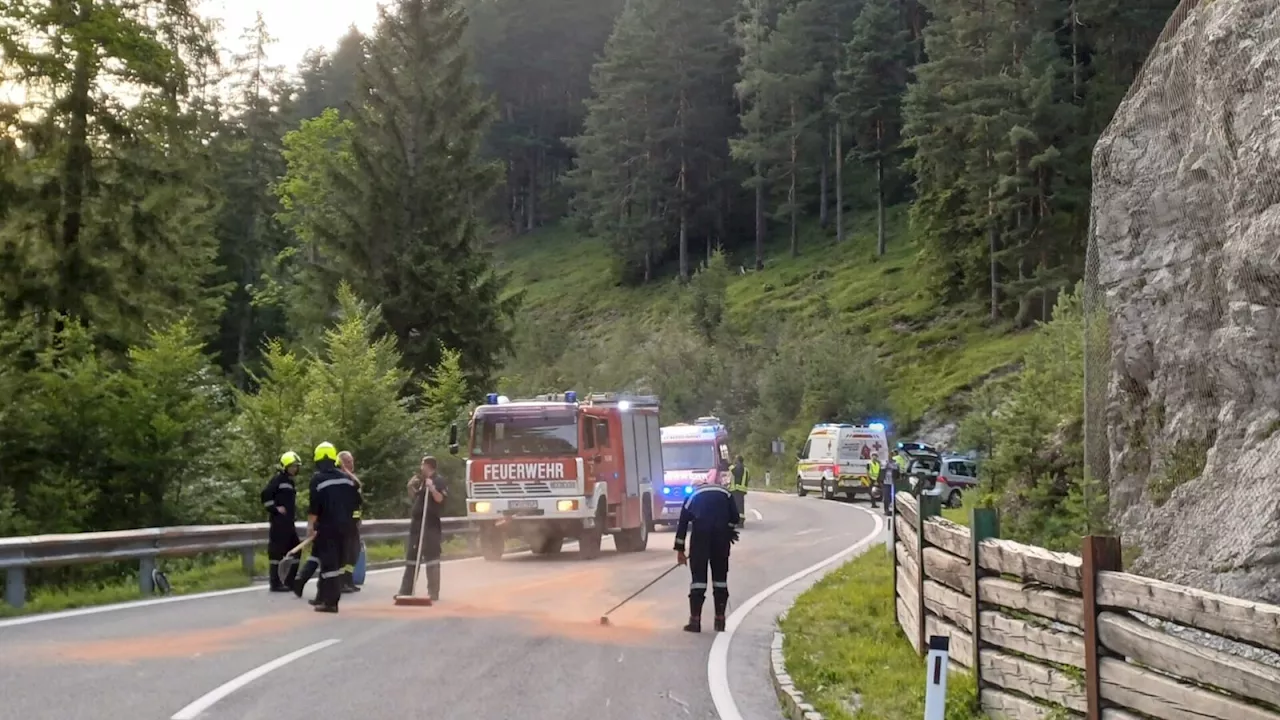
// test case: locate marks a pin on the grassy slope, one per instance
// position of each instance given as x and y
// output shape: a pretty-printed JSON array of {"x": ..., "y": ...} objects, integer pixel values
[
  {"x": 931, "y": 352},
  {"x": 845, "y": 650}
]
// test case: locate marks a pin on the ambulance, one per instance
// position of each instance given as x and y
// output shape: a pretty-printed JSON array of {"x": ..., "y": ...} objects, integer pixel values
[
  {"x": 555, "y": 467},
  {"x": 690, "y": 453},
  {"x": 836, "y": 459}
]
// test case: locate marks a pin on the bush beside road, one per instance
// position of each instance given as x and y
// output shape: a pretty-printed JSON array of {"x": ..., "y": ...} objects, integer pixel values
[{"x": 845, "y": 651}]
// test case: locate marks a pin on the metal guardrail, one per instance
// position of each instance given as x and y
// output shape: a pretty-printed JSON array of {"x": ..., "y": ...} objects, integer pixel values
[{"x": 146, "y": 544}]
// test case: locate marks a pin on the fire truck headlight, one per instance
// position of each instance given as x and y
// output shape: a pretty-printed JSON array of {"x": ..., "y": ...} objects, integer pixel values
[
  {"x": 481, "y": 507},
  {"x": 624, "y": 405},
  {"x": 566, "y": 505}
]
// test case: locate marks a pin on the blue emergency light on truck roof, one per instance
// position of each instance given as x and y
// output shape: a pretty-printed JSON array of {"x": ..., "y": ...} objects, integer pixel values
[
  {"x": 491, "y": 398},
  {"x": 877, "y": 426},
  {"x": 570, "y": 396}
]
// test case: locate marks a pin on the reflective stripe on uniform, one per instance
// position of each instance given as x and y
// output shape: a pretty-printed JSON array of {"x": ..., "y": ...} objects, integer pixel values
[
  {"x": 284, "y": 486},
  {"x": 720, "y": 585},
  {"x": 708, "y": 488},
  {"x": 331, "y": 574},
  {"x": 680, "y": 545},
  {"x": 697, "y": 586},
  {"x": 348, "y": 568},
  {"x": 335, "y": 481},
  {"x": 269, "y": 503},
  {"x": 274, "y": 562}
]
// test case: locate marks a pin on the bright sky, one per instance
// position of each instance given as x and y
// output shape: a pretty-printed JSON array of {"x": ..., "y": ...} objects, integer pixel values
[{"x": 297, "y": 25}]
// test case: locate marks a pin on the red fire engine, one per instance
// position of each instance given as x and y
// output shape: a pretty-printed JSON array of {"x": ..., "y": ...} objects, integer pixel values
[{"x": 555, "y": 467}]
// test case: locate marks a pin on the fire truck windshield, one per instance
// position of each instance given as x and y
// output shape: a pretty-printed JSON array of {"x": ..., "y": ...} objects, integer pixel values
[
  {"x": 688, "y": 456},
  {"x": 496, "y": 435}
]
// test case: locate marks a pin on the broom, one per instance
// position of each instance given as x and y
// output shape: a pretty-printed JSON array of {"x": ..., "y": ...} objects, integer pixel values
[
  {"x": 290, "y": 558},
  {"x": 411, "y": 599}
]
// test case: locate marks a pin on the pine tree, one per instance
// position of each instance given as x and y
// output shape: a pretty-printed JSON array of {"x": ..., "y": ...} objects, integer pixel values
[
  {"x": 406, "y": 205},
  {"x": 872, "y": 83}
]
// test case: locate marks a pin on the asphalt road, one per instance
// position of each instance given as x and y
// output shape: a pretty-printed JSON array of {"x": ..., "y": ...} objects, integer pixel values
[{"x": 520, "y": 638}]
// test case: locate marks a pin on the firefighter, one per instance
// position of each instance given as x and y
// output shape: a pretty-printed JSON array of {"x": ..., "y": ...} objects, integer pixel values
[
  {"x": 351, "y": 551},
  {"x": 280, "y": 499},
  {"x": 714, "y": 516},
  {"x": 738, "y": 486},
  {"x": 334, "y": 501},
  {"x": 428, "y": 493}
]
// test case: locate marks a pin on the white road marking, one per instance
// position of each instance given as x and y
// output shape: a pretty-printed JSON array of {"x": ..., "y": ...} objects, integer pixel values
[
  {"x": 80, "y": 612},
  {"x": 192, "y": 711},
  {"x": 757, "y": 514},
  {"x": 810, "y": 531},
  {"x": 718, "y": 660}
]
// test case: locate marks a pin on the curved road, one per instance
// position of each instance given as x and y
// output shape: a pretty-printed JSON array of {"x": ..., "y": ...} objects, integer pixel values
[{"x": 518, "y": 638}]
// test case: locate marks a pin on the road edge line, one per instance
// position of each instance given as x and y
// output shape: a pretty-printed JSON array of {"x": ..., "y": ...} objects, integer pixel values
[
  {"x": 194, "y": 709},
  {"x": 718, "y": 659}
]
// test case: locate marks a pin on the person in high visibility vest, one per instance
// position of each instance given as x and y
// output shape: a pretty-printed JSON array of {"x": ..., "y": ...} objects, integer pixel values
[
  {"x": 739, "y": 478},
  {"x": 873, "y": 469}
]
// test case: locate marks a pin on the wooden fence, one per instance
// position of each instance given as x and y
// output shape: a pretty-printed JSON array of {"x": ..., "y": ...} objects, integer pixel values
[{"x": 1053, "y": 635}]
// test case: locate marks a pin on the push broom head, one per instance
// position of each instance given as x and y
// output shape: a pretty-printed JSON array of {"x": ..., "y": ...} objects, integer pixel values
[
  {"x": 413, "y": 601},
  {"x": 604, "y": 619}
]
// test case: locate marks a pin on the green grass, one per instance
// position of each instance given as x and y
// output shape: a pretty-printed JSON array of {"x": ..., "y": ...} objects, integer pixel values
[
  {"x": 932, "y": 352},
  {"x": 195, "y": 575},
  {"x": 842, "y": 642}
]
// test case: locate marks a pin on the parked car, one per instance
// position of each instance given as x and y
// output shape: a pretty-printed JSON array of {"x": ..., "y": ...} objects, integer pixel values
[{"x": 948, "y": 477}]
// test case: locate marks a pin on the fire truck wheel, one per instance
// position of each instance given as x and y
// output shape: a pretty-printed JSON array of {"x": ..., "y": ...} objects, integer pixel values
[
  {"x": 492, "y": 543},
  {"x": 590, "y": 540}
]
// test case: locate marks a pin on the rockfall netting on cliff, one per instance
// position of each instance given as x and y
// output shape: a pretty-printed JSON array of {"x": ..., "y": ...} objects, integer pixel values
[{"x": 1183, "y": 303}]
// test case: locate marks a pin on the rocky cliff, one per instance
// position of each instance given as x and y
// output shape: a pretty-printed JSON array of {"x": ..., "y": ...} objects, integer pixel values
[{"x": 1184, "y": 399}]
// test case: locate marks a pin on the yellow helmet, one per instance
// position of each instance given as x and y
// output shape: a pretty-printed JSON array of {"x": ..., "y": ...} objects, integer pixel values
[
  {"x": 326, "y": 451},
  {"x": 289, "y": 458}
]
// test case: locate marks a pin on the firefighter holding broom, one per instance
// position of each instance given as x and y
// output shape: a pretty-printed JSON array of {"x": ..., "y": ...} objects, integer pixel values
[
  {"x": 280, "y": 499},
  {"x": 714, "y": 517},
  {"x": 424, "y": 545}
]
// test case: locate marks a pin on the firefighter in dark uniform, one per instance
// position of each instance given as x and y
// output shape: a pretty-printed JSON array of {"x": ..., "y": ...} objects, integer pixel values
[
  {"x": 738, "y": 486},
  {"x": 280, "y": 498},
  {"x": 714, "y": 516},
  {"x": 428, "y": 493},
  {"x": 334, "y": 502}
]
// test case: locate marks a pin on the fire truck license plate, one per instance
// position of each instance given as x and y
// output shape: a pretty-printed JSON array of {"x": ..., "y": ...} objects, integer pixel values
[{"x": 522, "y": 504}]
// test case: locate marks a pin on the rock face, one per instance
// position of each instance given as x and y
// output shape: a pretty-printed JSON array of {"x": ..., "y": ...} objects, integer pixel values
[{"x": 1183, "y": 403}]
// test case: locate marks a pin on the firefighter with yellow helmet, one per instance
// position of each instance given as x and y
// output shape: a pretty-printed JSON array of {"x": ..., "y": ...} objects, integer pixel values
[
  {"x": 335, "y": 500},
  {"x": 280, "y": 500}
]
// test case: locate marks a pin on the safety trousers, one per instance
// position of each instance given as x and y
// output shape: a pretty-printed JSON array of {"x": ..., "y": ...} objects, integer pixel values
[
  {"x": 432, "y": 548},
  {"x": 350, "y": 555},
  {"x": 281, "y": 538},
  {"x": 712, "y": 553},
  {"x": 328, "y": 549}
]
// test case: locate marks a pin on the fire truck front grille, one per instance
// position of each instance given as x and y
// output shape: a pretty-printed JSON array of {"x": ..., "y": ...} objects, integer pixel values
[{"x": 491, "y": 490}]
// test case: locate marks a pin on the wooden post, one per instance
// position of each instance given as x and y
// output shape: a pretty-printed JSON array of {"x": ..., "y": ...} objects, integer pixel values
[
  {"x": 984, "y": 523},
  {"x": 930, "y": 506},
  {"x": 1099, "y": 554}
]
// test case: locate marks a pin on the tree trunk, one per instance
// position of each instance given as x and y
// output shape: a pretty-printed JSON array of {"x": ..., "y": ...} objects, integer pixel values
[
  {"x": 880, "y": 239},
  {"x": 75, "y": 171},
  {"x": 823, "y": 219},
  {"x": 992, "y": 249},
  {"x": 531, "y": 204},
  {"x": 759, "y": 215},
  {"x": 684, "y": 225},
  {"x": 839, "y": 181}
]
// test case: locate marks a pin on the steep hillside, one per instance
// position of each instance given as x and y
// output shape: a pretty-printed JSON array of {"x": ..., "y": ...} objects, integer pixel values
[{"x": 577, "y": 319}]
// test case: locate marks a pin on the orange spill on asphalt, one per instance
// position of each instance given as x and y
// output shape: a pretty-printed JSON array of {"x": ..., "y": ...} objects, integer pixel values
[{"x": 171, "y": 645}]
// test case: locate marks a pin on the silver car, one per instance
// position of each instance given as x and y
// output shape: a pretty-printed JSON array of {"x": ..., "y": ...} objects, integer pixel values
[{"x": 947, "y": 477}]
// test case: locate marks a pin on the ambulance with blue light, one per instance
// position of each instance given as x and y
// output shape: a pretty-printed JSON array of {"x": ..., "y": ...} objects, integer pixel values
[
  {"x": 558, "y": 467},
  {"x": 690, "y": 453},
  {"x": 836, "y": 461}
]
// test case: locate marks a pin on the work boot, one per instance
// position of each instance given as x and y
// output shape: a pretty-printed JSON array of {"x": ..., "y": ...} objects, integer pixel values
[
  {"x": 694, "y": 626},
  {"x": 719, "y": 623},
  {"x": 327, "y": 608}
]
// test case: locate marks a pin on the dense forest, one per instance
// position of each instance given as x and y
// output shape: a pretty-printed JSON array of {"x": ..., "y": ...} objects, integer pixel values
[{"x": 206, "y": 259}]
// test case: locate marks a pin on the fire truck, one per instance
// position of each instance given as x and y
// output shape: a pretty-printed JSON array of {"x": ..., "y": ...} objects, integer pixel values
[
  {"x": 690, "y": 453},
  {"x": 555, "y": 467}
]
